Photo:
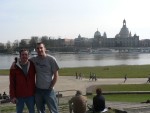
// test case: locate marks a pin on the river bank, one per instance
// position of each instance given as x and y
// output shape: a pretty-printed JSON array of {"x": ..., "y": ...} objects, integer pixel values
[
  {"x": 131, "y": 71},
  {"x": 70, "y": 83}
]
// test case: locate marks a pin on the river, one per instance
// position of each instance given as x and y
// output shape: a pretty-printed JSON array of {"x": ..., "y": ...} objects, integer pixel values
[{"x": 82, "y": 60}]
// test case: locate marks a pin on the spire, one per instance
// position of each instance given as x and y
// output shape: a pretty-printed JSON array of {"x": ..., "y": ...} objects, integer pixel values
[
  {"x": 79, "y": 36},
  {"x": 124, "y": 22},
  {"x": 130, "y": 35},
  {"x": 124, "y": 32},
  {"x": 105, "y": 35}
]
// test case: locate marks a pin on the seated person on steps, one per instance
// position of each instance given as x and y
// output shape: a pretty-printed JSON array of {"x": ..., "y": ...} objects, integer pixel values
[
  {"x": 98, "y": 102},
  {"x": 78, "y": 103}
]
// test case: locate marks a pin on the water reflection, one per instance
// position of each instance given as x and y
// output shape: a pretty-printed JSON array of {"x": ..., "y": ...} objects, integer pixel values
[
  {"x": 127, "y": 56},
  {"x": 80, "y": 60}
]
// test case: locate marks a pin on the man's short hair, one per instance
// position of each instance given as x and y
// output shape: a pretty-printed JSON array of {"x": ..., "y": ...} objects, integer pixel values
[
  {"x": 39, "y": 43},
  {"x": 23, "y": 50},
  {"x": 98, "y": 91},
  {"x": 78, "y": 92}
]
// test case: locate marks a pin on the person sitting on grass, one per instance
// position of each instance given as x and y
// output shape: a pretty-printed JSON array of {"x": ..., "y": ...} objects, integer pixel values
[{"x": 78, "y": 103}]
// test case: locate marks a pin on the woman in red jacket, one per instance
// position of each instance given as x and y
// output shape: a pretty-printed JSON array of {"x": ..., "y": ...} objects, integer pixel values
[{"x": 22, "y": 83}]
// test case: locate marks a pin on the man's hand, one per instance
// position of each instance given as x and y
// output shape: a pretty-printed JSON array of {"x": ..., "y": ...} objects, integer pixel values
[{"x": 14, "y": 100}]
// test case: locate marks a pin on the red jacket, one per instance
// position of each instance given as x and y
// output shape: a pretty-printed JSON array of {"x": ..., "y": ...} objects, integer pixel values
[{"x": 22, "y": 85}]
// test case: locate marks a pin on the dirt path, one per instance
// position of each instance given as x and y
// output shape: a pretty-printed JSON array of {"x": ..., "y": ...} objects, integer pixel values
[{"x": 69, "y": 83}]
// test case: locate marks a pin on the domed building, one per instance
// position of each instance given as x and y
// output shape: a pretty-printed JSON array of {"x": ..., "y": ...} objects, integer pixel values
[
  {"x": 97, "y": 34},
  {"x": 122, "y": 39},
  {"x": 124, "y": 32},
  {"x": 125, "y": 39},
  {"x": 97, "y": 41}
]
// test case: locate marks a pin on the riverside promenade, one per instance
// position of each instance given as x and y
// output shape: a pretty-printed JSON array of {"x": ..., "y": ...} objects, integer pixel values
[
  {"x": 71, "y": 83},
  {"x": 68, "y": 85}
]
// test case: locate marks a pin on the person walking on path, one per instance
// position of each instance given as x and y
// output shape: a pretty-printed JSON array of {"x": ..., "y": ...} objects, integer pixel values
[
  {"x": 22, "y": 83},
  {"x": 148, "y": 81},
  {"x": 90, "y": 77},
  {"x": 125, "y": 78},
  {"x": 76, "y": 75},
  {"x": 46, "y": 78}
]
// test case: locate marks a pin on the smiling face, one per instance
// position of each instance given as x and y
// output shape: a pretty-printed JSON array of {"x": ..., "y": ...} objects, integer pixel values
[
  {"x": 41, "y": 49},
  {"x": 24, "y": 55}
]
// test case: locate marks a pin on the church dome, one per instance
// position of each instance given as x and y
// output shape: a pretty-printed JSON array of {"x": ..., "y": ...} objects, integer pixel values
[
  {"x": 97, "y": 34},
  {"x": 124, "y": 32}
]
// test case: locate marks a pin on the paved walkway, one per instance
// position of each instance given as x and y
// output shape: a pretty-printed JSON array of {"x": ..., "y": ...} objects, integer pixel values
[{"x": 70, "y": 83}]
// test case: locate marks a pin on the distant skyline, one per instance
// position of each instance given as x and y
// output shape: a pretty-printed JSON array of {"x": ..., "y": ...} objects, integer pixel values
[{"x": 21, "y": 19}]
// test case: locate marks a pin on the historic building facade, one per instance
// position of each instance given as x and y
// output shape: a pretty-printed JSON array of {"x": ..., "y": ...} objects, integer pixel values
[{"x": 122, "y": 39}]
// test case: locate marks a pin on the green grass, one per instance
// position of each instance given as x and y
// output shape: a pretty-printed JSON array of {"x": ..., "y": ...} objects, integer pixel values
[
  {"x": 132, "y": 71},
  {"x": 4, "y": 71},
  {"x": 124, "y": 87},
  {"x": 127, "y": 97},
  {"x": 9, "y": 108}
]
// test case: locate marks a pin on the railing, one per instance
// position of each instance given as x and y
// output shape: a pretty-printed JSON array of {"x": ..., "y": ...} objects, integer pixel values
[{"x": 65, "y": 93}]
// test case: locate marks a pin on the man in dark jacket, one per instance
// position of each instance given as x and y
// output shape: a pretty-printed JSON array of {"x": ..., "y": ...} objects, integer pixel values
[
  {"x": 22, "y": 83},
  {"x": 98, "y": 101}
]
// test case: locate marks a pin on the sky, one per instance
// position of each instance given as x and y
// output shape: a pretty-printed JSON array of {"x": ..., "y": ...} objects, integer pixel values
[{"x": 22, "y": 19}]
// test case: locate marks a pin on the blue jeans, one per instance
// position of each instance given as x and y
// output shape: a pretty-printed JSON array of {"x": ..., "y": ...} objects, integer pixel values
[
  {"x": 29, "y": 101},
  {"x": 46, "y": 96}
]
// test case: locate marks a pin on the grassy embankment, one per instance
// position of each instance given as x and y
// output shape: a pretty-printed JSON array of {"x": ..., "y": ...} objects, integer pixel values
[
  {"x": 126, "y": 97},
  {"x": 132, "y": 71}
]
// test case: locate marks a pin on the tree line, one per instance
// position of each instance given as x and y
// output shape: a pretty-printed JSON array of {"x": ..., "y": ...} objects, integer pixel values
[{"x": 51, "y": 44}]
